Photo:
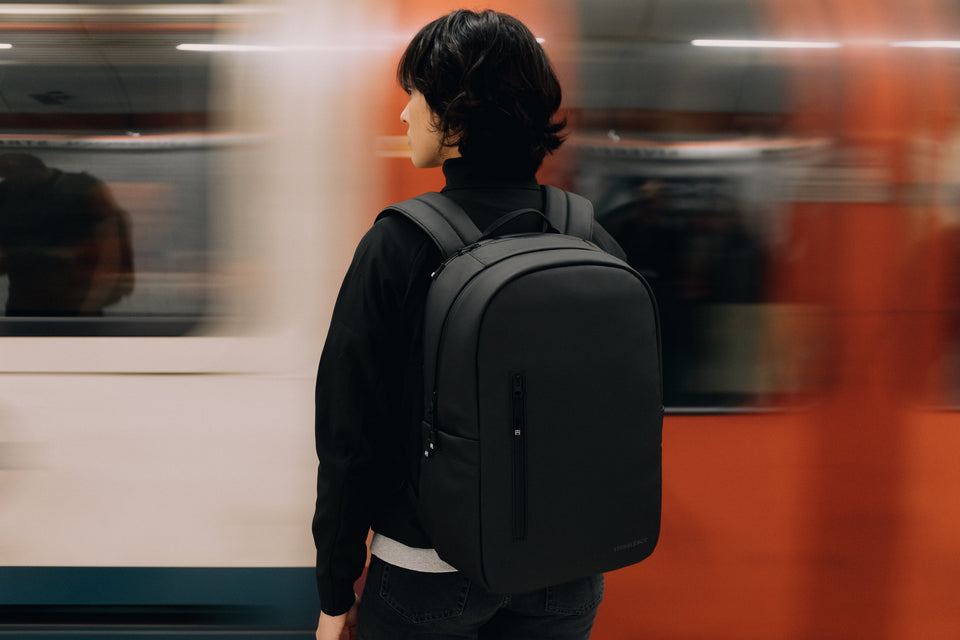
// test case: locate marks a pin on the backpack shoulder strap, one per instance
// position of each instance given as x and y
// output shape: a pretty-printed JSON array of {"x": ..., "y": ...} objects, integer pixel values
[
  {"x": 447, "y": 224},
  {"x": 569, "y": 213}
]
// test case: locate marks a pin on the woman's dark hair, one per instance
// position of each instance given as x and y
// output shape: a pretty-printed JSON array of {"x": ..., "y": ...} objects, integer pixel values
[{"x": 491, "y": 86}]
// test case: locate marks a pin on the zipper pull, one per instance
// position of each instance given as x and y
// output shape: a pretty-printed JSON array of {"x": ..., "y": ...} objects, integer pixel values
[
  {"x": 428, "y": 429},
  {"x": 468, "y": 248},
  {"x": 462, "y": 250},
  {"x": 429, "y": 439}
]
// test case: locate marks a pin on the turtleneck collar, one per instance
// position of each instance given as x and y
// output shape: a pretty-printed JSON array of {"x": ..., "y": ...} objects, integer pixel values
[{"x": 461, "y": 173}]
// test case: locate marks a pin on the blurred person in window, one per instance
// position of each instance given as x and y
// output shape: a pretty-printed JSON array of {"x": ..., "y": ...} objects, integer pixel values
[{"x": 64, "y": 242}]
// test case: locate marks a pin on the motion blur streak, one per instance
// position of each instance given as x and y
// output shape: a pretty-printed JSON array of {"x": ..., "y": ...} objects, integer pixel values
[
  {"x": 791, "y": 192},
  {"x": 837, "y": 520}
]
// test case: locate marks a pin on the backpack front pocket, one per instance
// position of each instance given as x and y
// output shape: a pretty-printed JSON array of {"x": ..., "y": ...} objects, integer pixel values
[{"x": 519, "y": 456}]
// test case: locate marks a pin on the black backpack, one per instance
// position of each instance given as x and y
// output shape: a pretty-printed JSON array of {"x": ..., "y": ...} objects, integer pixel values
[{"x": 543, "y": 410}]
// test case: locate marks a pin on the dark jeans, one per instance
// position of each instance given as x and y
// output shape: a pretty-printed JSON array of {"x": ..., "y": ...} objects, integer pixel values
[{"x": 399, "y": 604}]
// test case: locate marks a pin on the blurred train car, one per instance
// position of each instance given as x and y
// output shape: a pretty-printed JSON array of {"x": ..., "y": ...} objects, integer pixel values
[
  {"x": 783, "y": 172},
  {"x": 156, "y": 456}
]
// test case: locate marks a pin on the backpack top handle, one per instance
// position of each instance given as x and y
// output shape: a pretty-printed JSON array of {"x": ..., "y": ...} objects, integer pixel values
[{"x": 493, "y": 230}]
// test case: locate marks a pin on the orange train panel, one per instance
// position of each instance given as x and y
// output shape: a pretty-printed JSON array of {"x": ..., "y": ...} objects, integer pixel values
[
  {"x": 834, "y": 521},
  {"x": 731, "y": 523}
]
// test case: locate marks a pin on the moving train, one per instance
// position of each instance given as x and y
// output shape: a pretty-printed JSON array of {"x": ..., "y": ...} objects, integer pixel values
[{"x": 784, "y": 173}]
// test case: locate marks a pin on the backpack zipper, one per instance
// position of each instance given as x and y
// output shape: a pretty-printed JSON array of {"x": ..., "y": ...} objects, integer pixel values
[
  {"x": 519, "y": 458},
  {"x": 428, "y": 428},
  {"x": 462, "y": 250}
]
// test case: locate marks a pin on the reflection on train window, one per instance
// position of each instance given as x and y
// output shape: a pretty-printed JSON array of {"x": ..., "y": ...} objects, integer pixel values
[
  {"x": 105, "y": 154},
  {"x": 685, "y": 154},
  {"x": 99, "y": 234},
  {"x": 689, "y": 238}
]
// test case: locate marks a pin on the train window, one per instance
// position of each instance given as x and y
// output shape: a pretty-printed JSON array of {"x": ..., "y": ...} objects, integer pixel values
[
  {"x": 682, "y": 151},
  {"x": 107, "y": 143}
]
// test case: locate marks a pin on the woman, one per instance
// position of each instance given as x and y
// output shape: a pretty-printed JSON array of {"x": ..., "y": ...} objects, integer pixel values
[{"x": 482, "y": 99}]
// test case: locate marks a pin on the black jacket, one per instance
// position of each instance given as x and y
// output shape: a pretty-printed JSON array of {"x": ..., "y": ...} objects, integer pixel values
[{"x": 369, "y": 398}]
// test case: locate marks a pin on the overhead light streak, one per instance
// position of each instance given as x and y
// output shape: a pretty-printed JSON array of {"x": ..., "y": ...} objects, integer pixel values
[
  {"x": 766, "y": 44},
  {"x": 5, "y": 46},
  {"x": 266, "y": 48},
  {"x": 134, "y": 10},
  {"x": 219, "y": 48},
  {"x": 928, "y": 44}
]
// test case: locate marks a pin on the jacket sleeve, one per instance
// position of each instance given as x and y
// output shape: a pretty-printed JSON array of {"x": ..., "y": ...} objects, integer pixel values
[{"x": 355, "y": 391}]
